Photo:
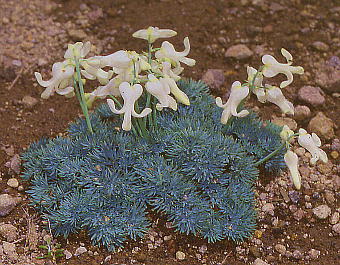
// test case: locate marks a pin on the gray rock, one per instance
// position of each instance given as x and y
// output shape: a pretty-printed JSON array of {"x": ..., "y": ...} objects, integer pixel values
[
  {"x": 297, "y": 254},
  {"x": 8, "y": 231},
  {"x": 13, "y": 183},
  {"x": 313, "y": 253},
  {"x": 335, "y": 218},
  {"x": 299, "y": 214},
  {"x": 335, "y": 144},
  {"x": 203, "y": 249},
  {"x": 10, "y": 250},
  {"x": 14, "y": 164},
  {"x": 214, "y": 78},
  {"x": 281, "y": 121},
  {"x": 67, "y": 254},
  {"x": 336, "y": 228},
  {"x": 239, "y": 51},
  {"x": 301, "y": 112},
  {"x": 280, "y": 248},
  {"x": 80, "y": 251},
  {"x": 7, "y": 204},
  {"x": 311, "y": 95},
  {"x": 322, "y": 211},
  {"x": 268, "y": 208},
  {"x": 180, "y": 255},
  {"x": 328, "y": 75},
  {"x": 320, "y": 46},
  {"x": 294, "y": 196},
  {"x": 259, "y": 261},
  {"x": 322, "y": 126},
  {"x": 29, "y": 102}
]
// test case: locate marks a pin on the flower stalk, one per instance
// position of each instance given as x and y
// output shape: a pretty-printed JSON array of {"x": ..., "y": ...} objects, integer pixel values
[{"x": 81, "y": 96}]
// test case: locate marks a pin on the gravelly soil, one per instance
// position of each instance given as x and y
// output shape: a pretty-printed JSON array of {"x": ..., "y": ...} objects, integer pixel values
[{"x": 34, "y": 34}]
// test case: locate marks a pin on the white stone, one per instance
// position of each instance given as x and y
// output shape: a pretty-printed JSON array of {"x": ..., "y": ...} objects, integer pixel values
[
  {"x": 180, "y": 255},
  {"x": 322, "y": 211}
]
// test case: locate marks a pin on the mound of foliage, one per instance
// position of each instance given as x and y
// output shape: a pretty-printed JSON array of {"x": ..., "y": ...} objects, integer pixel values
[{"x": 193, "y": 170}]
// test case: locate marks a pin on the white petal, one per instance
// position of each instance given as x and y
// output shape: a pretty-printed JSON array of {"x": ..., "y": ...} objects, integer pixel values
[
  {"x": 287, "y": 55},
  {"x": 65, "y": 91},
  {"x": 316, "y": 140},
  {"x": 292, "y": 160}
]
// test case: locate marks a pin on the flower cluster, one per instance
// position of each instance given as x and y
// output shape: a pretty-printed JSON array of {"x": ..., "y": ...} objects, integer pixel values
[
  {"x": 311, "y": 142},
  {"x": 151, "y": 75},
  {"x": 64, "y": 73},
  {"x": 264, "y": 93}
]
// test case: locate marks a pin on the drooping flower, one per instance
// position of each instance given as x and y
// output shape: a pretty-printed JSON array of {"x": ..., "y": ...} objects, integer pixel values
[
  {"x": 130, "y": 95},
  {"x": 61, "y": 81},
  {"x": 91, "y": 72},
  {"x": 274, "y": 95},
  {"x": 111, "y": 88},
  {"x": 286, "y": 133},
  {"x": 161, "y": 91},
  {"x": 258, "y": 89},
  {"x": 237, "y": 94},
  {"x": 292, "y": 161},
  {"x": 272, "y": 67},
  {"x": 153, "y": 33},
  {"x": 312, "y": 144},
  {"x": 168, "y": 79},
  {"x": 168, "y": 52},
  {"x": 119, "y": 59}
]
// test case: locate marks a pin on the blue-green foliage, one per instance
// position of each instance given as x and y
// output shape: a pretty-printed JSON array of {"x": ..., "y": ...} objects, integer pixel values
[{"x": 195, "y": 171}]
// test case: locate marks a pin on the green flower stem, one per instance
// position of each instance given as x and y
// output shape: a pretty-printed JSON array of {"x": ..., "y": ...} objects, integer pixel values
[
  {"x": 256, "y": 74},
  {"x": 148, "y": 97},
  {"x": 154, "y": 113},
  {"x": 149, "y": 52},
  {"x": 275, "y": 151},
  {"x": 141, "y": 123},
  {"x": 82, "y": 97},
  {"x": 120, "y": 106}
]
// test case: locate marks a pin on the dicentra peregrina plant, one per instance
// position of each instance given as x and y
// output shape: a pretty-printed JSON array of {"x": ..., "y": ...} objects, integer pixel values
[
  {"x": 268, "y": 93},
  {"x": 133, "y": 71}
]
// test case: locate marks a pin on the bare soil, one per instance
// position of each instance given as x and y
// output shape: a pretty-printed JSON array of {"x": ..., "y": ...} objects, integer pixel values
[{"x": 34, "y": 34}]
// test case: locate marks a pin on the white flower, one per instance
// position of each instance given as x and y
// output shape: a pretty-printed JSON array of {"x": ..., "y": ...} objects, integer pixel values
[
  {"x": 61, "y": 81},
  {"x": 168, "y": 52},
  {"x": 258, "y": 89},
  {"x": 168, "y": 78},
  {"x": 272, "y": 67},
  {"x": 111, "y": 88},
  {"x": 119, "y": 59},
  {"x": 161, "y": 90},
  {"x": 237, "y": 94},
  {"x": 78, "y": 50},
  {"x": 130, "y": 95},
  {"x": 292, "y": 160},
  {"x": 312, "y": 144},
  {"x": 286, "y": 133},
  {"x": 153, "y": 33},
  {"x": 91, "y": 72},
  {"x": 274, "y": 95}
]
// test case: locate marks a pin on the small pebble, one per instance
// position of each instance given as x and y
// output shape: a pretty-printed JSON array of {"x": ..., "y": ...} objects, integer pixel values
[
  {"x": 13, "y": 183},
  {"x": 80, "y": 251},
  {"x": 313, "y": 253},
  {"x": 67, "y": 254},
  {"x": 280, "y": 248},
  {"x": 334, "y": 218},
  {"x": 180, "y": 255},
  {"x": 336, "y": 228},
  {"x": 322, "y": 211}
]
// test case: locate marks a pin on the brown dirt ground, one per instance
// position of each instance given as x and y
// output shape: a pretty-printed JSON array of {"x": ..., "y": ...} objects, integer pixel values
[{"x": 212, "y": 27}]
